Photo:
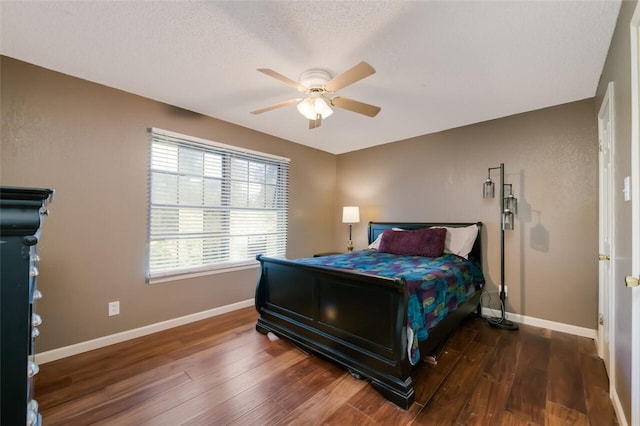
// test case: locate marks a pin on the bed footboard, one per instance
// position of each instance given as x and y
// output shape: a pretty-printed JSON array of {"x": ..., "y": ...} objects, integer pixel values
[{"x": 358, "y": 321}]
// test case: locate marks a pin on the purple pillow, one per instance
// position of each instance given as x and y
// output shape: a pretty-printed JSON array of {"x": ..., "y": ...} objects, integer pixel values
[{"x": 428, "y": 242}]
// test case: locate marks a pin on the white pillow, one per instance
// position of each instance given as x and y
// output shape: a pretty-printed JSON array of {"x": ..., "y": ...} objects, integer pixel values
[
  {"x": 460, "y": 240},
  {"x": 376, "y": 244}
]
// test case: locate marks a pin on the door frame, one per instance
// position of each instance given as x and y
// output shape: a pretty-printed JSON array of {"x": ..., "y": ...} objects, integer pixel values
[{"x": 607, "y": 112}]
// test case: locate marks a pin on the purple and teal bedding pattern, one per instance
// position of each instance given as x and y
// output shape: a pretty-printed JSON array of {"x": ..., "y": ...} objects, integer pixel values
[{"x": 436, "y": 285}]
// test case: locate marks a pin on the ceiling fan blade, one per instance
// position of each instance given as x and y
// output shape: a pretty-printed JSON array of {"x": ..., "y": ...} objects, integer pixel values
[
  {"x": 315, "y": 123},
  {"x": 350, "y": 76},
  {"x": 274, "y": 106},
  {"x": 282, "y": 78},
  {"x": 355, "y": 106}
]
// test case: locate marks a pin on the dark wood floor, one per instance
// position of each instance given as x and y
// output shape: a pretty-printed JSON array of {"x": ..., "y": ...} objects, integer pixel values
[{"x": 221, "y": 371}]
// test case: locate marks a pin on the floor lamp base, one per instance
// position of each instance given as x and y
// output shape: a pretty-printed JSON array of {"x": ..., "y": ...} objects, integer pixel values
[{"x": 502, "y": 323}]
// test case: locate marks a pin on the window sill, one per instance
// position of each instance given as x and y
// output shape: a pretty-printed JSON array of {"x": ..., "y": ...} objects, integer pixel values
[{"x": 185, "y": 276}]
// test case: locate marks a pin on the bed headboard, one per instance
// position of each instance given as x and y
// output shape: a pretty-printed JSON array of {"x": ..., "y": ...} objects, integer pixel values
[{"x": 376, "y": 228}]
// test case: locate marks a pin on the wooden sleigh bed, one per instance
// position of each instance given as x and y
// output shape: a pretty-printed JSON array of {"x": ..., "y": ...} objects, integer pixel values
[{"x": 358, "y": 320}]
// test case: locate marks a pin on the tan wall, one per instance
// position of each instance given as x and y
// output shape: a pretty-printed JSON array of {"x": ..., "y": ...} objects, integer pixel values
[
  {"x": 89, "y": 142},
  {"x": 618, "y": 69},
  {"x": 551, "y": 159}
]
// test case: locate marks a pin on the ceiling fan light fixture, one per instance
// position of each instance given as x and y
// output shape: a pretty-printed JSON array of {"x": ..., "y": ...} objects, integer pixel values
[{"x": 313, "y": 106}]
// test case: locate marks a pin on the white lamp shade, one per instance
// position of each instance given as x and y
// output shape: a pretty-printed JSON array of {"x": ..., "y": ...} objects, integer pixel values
[
  {"x": 350, "y": 214},
  {"x": 306, "y": 108},
  {"x": 313, "y": 106},
  {"x": 322, "y": 108}
]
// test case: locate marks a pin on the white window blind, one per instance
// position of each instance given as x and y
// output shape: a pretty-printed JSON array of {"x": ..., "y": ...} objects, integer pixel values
[{"x": 213, "y": 206}]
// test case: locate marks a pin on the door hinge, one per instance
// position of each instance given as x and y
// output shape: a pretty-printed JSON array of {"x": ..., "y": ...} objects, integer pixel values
[{"x": 601, "y": 319}]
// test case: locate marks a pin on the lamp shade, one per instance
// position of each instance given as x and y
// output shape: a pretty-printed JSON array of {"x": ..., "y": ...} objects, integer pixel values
[
  {"x": 350, "y": 214},
  {"x": 322, "y": 108},
  {"x": 488, "y": 189},
  {"x": 511, "y": 203},
  {"x": 312, "y": 106},
  {"x": 507, "y": 220},
  {"x": 307, "y": 109}
]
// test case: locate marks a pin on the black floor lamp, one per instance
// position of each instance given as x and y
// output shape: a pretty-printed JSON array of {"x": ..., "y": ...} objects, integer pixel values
[{"x": 508, "y": 209}]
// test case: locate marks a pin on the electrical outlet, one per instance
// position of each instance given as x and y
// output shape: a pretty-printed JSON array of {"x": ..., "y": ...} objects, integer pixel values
[
  {"x": 506, "y": 293},
  {"x": 114, "y": 308}
]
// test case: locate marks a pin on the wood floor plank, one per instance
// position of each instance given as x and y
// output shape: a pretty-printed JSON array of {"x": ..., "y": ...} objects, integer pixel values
[
  {"x": 213, "y": 390},
  {"x": 429, "y": 377},
  {"x": 245, "y": 349},
  {"x": 390, "y": 414},
  {"x": 593, "y": 371},
  {"x": 535, "y": 331},
  {"x": 510, "y": 419},
  {"x": 486, "y": 335},
  {"x": 103, "y": 376},
  {"x": 305, "y": 380},
  {"x": 587, "y": 346},
  {"x": 325, "y": 402},
  {"x": 455, "y": 391},
  {"x": 461, "y": 338},
  {"x": 347, "y": 415},
  {"x": 534, "y": 348},
  {"x": 483, "y": 410},
  {"x": 599, "y": 407},
  {"x": 267, "y": 413},
  {"x": 557, "y": 415},
  {"x": 225, "y": 411},
  {"x": 373, "y": 404},
  {"x": 596, "y": 386},
  {"x": 369, "y": 401},
  {"x": 527, "y": 399},
  {"x": 528, "y": 396},
  {"x": 99, "y": 408},
  {"x": 221, "y": 371},
  {"x": 504, "y": 361},
  {"x": 565, "y": 386}
]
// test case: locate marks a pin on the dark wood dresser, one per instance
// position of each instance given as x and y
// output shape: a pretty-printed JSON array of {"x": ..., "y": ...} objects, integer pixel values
[{"x": 21, "y": 214}]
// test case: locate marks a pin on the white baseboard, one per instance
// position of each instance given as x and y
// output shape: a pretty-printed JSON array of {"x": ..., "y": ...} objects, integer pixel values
[
  {"x": 551, "y": 325},
  {"x": 78, "y": 348}
]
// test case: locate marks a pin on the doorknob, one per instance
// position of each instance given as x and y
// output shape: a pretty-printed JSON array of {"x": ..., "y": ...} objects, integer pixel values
[
  {"x": 631, "y": 281},
  {"x": 603, "y": 257}
]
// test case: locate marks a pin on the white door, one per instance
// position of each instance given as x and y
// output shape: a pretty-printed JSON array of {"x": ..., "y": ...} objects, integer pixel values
[
  {"x": 635, "y": 214},
  {"x": 605, "y": 246}
]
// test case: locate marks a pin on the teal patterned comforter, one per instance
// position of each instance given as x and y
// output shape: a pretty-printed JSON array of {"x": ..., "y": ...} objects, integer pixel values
[{"x": 437, "y": 286}]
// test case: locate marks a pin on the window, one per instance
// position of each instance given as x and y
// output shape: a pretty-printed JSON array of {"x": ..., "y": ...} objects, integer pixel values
[{"x": 212, "y": 206}]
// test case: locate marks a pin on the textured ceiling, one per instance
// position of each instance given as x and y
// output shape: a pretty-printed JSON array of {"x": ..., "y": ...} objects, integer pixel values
[{"x": 440, "y": 64}]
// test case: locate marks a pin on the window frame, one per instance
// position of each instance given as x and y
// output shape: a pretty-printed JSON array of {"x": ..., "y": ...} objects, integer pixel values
[{"x": 201, "y": 250}]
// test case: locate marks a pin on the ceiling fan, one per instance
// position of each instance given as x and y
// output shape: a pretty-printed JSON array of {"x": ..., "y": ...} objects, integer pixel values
[{"x": 317, "y": 84}]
